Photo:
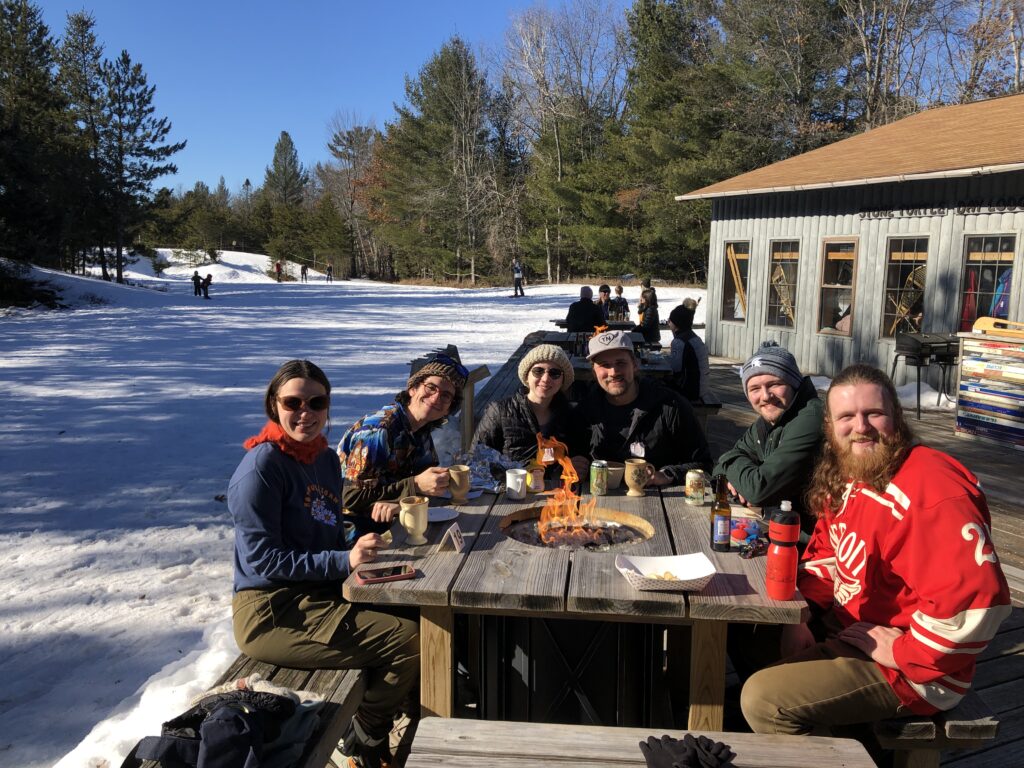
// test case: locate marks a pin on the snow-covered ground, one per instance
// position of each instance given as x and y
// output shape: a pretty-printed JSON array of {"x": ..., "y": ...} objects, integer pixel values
[{"x": 123, "y": 420}]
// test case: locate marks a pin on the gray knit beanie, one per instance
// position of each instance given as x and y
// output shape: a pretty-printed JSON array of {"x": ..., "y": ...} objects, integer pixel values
[
  {"x": 772, "y": 359},
  {"x": 547, "y": 353}
]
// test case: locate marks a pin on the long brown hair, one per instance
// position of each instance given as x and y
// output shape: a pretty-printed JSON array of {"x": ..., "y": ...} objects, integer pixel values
[{"x": 828, "y": 482}]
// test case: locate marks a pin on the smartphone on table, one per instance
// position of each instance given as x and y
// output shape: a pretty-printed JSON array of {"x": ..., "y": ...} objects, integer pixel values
[{"x": 382, "y": 573}]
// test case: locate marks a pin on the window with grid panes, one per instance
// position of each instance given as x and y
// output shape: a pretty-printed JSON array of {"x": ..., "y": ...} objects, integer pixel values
[
  {"x": 835, "y": 315},
  {"x": 734, "y": 276},
  {"x": 988, "y": 270},
  {"x": 782, "y": 283},
  {"x": 903, "y": 301}
]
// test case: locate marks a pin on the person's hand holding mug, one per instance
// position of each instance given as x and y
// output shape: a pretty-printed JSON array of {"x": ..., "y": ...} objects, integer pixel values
[
  {"x": 656, "y": 476},
  {"x": 432, "y": 481},
  {"x": 384, "y": 511},
  {"x": 365, "y": 550}
]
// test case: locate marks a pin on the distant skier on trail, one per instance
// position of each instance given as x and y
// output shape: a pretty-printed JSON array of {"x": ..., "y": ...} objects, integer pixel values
[
  {"x": 277, "y": 269},
  {"x": 206, "y": 286},
  {"x": 197, "y": 284},
  {"x": 304, "y": 273},
  {"x": 329, "y": 272},
  {"x": 517, "y": 279}
]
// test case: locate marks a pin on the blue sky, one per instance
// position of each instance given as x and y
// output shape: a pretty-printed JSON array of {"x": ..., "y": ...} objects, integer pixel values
[{"x": 231, "y": 74}]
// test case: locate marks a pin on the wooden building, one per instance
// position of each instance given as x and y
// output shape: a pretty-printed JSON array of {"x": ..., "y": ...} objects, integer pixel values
[{"x": 915, "y": 226}]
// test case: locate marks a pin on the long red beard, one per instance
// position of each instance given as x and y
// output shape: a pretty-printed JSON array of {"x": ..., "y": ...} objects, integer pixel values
[
  {"x": 273, "y": 433},
  {"x": 868, "y": 467}
]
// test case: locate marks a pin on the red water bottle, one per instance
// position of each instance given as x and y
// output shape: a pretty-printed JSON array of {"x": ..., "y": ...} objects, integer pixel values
[{"x": 784, "y": 532}]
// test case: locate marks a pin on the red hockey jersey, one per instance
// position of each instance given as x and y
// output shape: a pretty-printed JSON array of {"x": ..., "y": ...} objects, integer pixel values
[{"x": 918, "y": 557}]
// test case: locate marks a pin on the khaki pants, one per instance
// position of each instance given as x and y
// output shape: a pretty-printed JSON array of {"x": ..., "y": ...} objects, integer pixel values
[
  {"x": 313, "y": 627},
  {"x": 824, "y": 688}
]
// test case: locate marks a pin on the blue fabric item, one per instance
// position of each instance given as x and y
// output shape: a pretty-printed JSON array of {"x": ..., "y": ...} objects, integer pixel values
[
  {"x": 1000, "y": 306},
  {"x": 231, "y": 736},
  {"x": 287, "y": 519}
]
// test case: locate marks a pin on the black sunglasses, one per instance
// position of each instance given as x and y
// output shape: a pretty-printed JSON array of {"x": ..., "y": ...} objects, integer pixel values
[
  {"x": 317, "y": 403},
  {"x": 446, "y": 360},
  {"x": 539, "y": 371}
]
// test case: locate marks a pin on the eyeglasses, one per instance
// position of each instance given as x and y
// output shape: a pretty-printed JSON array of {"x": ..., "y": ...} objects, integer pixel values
[
  {"x": 446, "y": 360},
  {"x": 433, "y": 390},
  {"x": 317, "y": 403},
  {"x": 539, "y": 371}
]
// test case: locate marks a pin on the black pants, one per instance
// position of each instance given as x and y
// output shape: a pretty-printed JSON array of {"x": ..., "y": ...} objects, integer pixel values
[{"x": 517, "y": 288}]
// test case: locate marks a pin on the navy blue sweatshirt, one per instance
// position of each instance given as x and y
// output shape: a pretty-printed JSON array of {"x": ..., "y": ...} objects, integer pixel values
[{"x": 287, "y": 519}]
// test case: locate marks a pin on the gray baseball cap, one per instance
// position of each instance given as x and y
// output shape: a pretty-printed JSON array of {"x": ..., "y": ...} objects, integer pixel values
[{"x": 607, "y": 342}]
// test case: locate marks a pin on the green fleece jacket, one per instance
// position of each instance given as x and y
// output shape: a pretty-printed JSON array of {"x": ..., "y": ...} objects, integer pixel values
[{"x": 772, "y": 462}]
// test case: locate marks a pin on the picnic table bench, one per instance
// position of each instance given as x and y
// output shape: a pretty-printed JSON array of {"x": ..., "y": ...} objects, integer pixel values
[
  {"x": 470, "y": 743},
  {"x": 341, "y": 689}
]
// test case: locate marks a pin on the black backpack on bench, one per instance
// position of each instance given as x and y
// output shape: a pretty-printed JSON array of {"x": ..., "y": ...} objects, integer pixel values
[{"x": 225, "y": 730}]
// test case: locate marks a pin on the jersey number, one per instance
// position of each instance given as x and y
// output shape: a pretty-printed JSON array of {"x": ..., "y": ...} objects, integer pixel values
[{"x": 969, "y": 531}]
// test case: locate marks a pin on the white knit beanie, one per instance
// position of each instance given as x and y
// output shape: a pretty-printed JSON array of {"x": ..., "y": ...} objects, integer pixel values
[{"x": 547, "y": 353}]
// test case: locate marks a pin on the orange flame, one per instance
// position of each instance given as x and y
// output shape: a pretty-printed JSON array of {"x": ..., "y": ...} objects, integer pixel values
[
  {"x": 563, "y": 519},
  {"x": 600, "y": 329}
]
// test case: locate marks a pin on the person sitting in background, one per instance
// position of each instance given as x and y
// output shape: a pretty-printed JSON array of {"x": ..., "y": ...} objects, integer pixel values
[
  {"x": 619, "y": 307},
  {"x": 901, "y": 576},
  {"x": 689, "y": 357},
  {"x": 774, "y": 458},
  {"x": 584, "y": 315},
  {"x": 624, "y": 417},
  {"x": 604, "y": 295},
  {"x": 511, "y": 425},
  {"x": 650, "y": 323},
  {"x": 390, "y": 454},
  {"x": 291, "y": 556}
]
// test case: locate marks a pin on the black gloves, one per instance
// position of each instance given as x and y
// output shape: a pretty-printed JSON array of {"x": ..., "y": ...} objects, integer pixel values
[{"x": 690, "y": 752}]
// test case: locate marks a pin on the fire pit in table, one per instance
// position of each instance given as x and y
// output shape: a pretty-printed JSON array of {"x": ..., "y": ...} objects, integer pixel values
[
  {"x": 566, "y": 521},
  {"x": 596, "y": 529}
]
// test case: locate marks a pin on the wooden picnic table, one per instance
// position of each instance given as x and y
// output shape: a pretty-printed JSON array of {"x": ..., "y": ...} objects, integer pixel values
[
  {"x": 448, "y": 742},
  {"x": 500, "y": 576},
  {"x": 654, "y": 365},
  {"x": 566, "y": 340},
  {"x": 613, "y": 325}
]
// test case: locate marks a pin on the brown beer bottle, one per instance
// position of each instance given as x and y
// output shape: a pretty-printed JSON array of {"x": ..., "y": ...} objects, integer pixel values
[{"x": 721, "y": 516}]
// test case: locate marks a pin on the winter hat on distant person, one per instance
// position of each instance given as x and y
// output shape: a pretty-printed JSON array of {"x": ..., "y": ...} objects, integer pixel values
[
  {"x": 547, "y": 353},
  {"x": 607, "y": 341},
  {"x": 586, "y": 292},
  {"x": 604, "y": 289},
  {"x": 772, "y": 359},
  {"x": 682, "y": 316}
]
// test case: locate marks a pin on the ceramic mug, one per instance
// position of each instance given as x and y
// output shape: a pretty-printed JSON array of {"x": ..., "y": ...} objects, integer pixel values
[
  {"x": 636, "y": 476},
  {"x": 616, "y": 469},
  {"x": 515, "y": 484},
  {"x": 413, "y": 517},
  {"x": 458, "y": 483},
  {"x": 535, "y": 477}
]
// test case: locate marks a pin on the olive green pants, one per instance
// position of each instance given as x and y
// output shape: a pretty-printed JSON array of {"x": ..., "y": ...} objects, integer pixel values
[
  {"x": 312, "y": 627},
  {"x": 823, "y": 688}
]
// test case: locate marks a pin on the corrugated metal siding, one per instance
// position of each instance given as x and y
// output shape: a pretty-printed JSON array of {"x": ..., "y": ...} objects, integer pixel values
[{"x": 813, "y": 217}]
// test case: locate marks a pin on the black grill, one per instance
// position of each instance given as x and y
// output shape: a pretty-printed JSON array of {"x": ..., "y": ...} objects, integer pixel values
[{"x": 936, "y": 345}]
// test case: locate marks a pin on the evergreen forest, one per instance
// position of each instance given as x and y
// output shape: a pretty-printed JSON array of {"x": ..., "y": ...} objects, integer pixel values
[{"x": 565, "y": 148}]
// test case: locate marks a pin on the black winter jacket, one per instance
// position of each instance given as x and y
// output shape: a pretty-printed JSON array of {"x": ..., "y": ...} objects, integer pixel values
[
  {"x": 509, "y": 426},
  {"x": 661, "y": 420},
  {"x": 650, "y": 327},
  {"x": 584, "y": 315}
]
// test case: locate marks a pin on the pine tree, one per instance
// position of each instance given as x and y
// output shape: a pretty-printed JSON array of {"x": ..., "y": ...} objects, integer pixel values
[
  {"x": 286, "y": 179},
  {"x": 80, "y": 77},
  {"x": 132, "y": 145},
  {"x": 36, "y": 137}
]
